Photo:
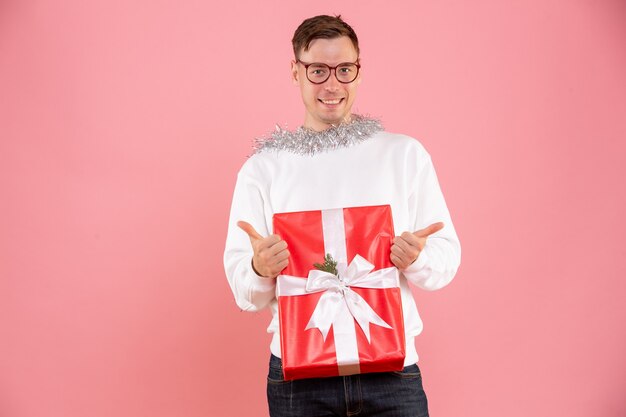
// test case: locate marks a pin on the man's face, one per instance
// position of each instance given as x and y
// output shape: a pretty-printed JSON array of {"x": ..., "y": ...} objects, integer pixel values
[{"x": 330, "y": 102}]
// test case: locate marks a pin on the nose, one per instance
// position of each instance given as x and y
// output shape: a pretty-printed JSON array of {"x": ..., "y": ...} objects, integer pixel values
[{"x": 332, "y": 83}]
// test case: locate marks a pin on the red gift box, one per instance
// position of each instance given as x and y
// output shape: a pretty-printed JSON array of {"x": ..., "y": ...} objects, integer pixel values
[{"x": 341, "y": 323}]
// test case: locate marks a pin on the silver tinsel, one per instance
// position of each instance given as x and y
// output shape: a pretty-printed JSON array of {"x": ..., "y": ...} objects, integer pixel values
[{"x": 306, "y": 141}]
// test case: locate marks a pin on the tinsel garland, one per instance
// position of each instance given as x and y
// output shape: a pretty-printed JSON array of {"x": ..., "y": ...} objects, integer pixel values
[{"x": 306, "y": 141}]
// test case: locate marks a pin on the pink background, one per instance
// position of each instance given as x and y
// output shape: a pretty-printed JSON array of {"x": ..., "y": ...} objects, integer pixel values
[{"x": 123, "y": 125}]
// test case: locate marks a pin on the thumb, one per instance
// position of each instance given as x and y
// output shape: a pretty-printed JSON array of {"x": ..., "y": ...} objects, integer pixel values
[
  {"x": 247, "y": 227},
  {"x": 427, "y": 231}
]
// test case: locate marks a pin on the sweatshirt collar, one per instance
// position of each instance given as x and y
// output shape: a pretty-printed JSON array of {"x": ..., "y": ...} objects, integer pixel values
[{"x": 304, "y": 141}]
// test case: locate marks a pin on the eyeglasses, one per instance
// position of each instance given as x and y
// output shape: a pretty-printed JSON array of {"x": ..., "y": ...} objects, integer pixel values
[{"x": 318, "y": 73}]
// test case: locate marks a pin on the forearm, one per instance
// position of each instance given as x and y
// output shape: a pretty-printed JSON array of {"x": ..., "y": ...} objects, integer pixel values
[
  {"x": 436, "y": 265},
  {"x": 440, "y": 258},
  {"x": 252, "y": 292}
]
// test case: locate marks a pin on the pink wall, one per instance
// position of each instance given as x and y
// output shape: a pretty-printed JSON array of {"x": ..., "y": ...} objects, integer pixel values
[{"x": 122, "y": 127}]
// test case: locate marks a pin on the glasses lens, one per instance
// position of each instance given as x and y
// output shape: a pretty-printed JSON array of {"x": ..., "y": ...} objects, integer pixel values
[
  {"x": 318, "y": 73},
  {"x": 346, "y": 73}
]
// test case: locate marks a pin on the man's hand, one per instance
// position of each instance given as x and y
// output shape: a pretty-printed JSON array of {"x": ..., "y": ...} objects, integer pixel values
[
  {"x": 407, "y": 247},
  {"x": 270, "y": 253}
]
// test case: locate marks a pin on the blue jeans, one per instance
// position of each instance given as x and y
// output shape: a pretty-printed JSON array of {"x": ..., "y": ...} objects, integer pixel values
[{"x": 387, "y": 394}]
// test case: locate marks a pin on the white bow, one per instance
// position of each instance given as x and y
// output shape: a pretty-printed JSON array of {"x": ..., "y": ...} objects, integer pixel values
[{"x": 337, "y": 290}]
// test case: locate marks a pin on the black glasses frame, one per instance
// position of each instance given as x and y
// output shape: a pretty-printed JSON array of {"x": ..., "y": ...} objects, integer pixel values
[{"x": 307, "y": 65}]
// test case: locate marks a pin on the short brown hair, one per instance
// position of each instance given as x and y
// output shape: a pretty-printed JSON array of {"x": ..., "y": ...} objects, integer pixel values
[{"x": 321, "y": 27}]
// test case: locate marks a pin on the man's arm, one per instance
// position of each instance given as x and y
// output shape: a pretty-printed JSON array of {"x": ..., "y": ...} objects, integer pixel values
[
  {"x": 428, "y": 256},
  {"x": 252, "y": 292}
]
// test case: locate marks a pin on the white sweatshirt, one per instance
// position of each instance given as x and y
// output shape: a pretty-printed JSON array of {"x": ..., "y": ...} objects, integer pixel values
[{"x": 387, "y": 168}]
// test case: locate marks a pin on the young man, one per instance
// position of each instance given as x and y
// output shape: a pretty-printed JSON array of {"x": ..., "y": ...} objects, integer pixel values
[{"x": 335, "y": 160}]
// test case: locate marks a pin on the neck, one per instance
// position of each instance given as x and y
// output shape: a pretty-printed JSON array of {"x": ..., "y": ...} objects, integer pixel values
[{"x": 320, "y": 125}]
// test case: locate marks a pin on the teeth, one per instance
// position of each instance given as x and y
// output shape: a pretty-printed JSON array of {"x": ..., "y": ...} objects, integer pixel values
[{"x": 336, "y": 101}]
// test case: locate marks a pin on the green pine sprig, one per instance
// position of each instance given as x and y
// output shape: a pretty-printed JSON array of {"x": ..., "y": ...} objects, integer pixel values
[{"x": 329, "y": 265}]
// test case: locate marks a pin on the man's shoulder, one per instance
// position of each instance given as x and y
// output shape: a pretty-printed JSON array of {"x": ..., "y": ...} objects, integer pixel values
[
  {"x": 261, "y": 165},
  {"x": 401, "y": 142},
  {"x": 253, "y": 163}
]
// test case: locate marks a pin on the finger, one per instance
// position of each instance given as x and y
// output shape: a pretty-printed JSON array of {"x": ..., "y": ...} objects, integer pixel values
[
  {"x": 281, "y": 256},
  {"x": 247, "y": 227},
  {"x": 281, "y": 265},
  {"x": 397, "y": 250},
  {"x": 411, "y": 239},
  {"x": 275, "y": 246},
  {"x": 271, "y": 240},
  {"x": 266, "y": 246},
  {"x": 276, "y": 269},
  {"x": 427, "y": 231},
  {"x": 269, "y": 255},
  {"x": 400, "y": 255},
  {"x": 408, "y": 242},
  {"x": 397, "y": 261}
]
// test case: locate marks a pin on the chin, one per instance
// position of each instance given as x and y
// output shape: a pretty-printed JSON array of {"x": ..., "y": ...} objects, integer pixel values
[{"x": 334, "y": 119}]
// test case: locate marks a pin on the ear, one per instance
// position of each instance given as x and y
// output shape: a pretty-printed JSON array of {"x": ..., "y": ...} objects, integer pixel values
[{"x": 295, "y": 76}]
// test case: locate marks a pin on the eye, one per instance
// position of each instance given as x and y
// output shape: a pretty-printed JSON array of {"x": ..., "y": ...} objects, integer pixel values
[{"x": 318, "y": 70}]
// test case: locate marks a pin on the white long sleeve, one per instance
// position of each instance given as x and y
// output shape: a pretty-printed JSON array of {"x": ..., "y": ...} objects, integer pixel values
[
  {"x": 438, "y": 262},
  {"x": 252, "y": 292},
  {"x": 384, "y": 169}
]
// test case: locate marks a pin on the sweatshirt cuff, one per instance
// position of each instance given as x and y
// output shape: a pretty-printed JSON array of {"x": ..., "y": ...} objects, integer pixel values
[{"x": 260, "y": 283}]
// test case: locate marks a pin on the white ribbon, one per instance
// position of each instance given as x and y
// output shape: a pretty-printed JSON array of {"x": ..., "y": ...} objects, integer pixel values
[
  {"x": 337, "y": 291},
  {"x": 340, "y": 306}
]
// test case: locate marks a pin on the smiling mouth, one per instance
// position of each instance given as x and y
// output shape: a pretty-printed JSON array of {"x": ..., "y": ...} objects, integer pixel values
[{"x": 331, "y": 101}]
